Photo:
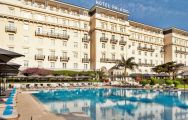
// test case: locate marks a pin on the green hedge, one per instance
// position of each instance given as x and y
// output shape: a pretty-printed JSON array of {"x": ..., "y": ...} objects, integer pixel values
[{"x": 74, "y": 73}]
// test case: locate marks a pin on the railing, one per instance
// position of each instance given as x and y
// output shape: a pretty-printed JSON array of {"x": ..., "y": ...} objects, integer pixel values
[
  {"x": 107, "y": 60},
  {"x": 52, "y": 58},
  {"x": 85, "y": 39},
  {"x": 39, "y": 57},
  {"x": 114, "y": 41},
  {"x": 146, "y": 49},
  {"x": 122, "y": 42},
  {"x": 85, "y": 60},
  {"x": 146, "y": 64},
  {"x": 52, "y": 35},
  {"x": 10, "y": 29},
  {"x": 181, "y": 51},
  {"x": 104, "y": 39},
  {"x": 64, "y": 59}
]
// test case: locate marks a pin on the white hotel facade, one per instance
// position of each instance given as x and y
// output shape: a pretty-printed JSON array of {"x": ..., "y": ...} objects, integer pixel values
[{"x": 57, "y": 35}]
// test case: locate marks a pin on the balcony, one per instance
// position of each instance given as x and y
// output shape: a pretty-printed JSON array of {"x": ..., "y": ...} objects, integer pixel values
[
  {"x": 39, "y": 57},
  {"x": 113, "y": 41},
  {"x": 146, "y": 49},
  {"x": 122, "y": 42},
  {"x": 52, "y": 35},
  {"x": 181, "y": 52},
  {"x": 107, "y": 60},
  {"x": 104, "y": 39},
  {"x": 64, "y": 59},
  {"x": 52, "y": 58},
  {"x": 146, "y": 64},
  {"x": 85, "y": 60},
  {"x": 12, "y": 29},
  {"x": 85, "y": 39}
]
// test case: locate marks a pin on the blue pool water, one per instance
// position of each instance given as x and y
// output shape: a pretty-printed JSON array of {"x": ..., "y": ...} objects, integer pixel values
[{"x": 117, "y": 103}]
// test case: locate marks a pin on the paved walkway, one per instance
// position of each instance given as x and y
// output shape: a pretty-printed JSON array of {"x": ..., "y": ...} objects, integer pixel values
[{"x": 28, "y": 107}]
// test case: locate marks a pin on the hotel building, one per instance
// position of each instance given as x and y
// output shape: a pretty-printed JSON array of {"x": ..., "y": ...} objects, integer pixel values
[{"x": 57, "y": 35}]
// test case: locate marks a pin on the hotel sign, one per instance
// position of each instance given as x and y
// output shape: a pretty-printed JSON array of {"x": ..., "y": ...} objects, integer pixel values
[{"x": 109, "y": 6}]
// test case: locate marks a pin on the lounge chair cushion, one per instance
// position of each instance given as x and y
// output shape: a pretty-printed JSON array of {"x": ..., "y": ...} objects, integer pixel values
[{"x": 7, "y": 112}]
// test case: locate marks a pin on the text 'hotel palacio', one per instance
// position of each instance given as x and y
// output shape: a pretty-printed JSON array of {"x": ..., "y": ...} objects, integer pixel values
[{"x": 57, "y": 35}]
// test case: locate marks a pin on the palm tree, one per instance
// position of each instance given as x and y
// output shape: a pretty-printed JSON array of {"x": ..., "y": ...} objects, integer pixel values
[{"x": 126, "y": 64}]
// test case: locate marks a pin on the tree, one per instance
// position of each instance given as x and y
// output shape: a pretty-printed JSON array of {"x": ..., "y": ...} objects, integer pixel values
[
  {"x": 171, "y": 68},
  {"x": 126, "y": 64}
]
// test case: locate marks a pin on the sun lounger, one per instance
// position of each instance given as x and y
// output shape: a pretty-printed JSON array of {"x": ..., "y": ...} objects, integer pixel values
[{"x": 9, "y": 113}]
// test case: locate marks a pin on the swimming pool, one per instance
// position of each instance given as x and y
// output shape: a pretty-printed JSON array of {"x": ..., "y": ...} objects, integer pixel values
[{"x": 117, "y": 103}]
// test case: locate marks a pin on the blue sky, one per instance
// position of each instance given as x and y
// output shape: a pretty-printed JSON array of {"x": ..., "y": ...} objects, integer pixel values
[{"x": 160, "y": 13}]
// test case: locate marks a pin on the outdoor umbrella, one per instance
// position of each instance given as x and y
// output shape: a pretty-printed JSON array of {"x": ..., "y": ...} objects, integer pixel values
[
  {"x": 9, "y": 68},
  {"x": 6, "y": 55}
]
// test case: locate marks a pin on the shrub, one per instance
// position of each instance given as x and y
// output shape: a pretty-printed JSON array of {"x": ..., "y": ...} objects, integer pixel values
[
  {"x": 144, "y": 82},
  {"x": 169, "y": 82},
  {"x": 36, "y": 71},
  {"x": 154, "y": 81},
  {"x": 176, "y": 83}
]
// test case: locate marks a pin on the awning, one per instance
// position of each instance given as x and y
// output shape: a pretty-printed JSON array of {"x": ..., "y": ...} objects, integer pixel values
[{"x": 6, "y": 55}]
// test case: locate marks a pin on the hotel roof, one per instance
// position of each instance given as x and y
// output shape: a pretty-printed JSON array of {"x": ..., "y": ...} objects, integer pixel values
[{"x": 175, "y": 30}]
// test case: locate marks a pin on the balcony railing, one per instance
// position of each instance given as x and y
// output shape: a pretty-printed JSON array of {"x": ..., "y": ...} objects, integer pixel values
[
  {"x": 85, "y": 60},
  {"x": 114, "y": 41},
  {"x": 181, "y": 51},
  {"x": 39, "y": 57},
  {"x": 122, "y": 42},
  {"x": 52, "y": 58},
  {"x": 146, "y": 49},
  {"x": 104, "y": 39},
  {"x": 12, "y": 29},
  {"x": 146, "y": 64},
  {"x": 52, "y": 35},
  {"x": 107, "y": 60},
  {"x": 85, "y": 39},
  {"x": 64, "y": 59}
]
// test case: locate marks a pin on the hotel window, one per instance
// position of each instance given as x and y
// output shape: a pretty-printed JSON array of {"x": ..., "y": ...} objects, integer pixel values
[
  {"x": 103, "y": 35},
  {"x": 75, "y": 44},
  {"x": 11, "y": 37},
  {"x": 75, "y": 55},
  {"x": 85, "y": 25},
  {"x": 122, "y": 48},
  {"x": 156, "y": 55},
  {"x": 139, "y": 52},
  {"x": 139, "y": 61},
  {"x": 52, "y": 31},
  {"x": 52, "y": 53},
  {"x": 64, "y": 32},
  {"x": 85, "y": 46},
  {"x": 12, "y": 11},
  {"x": 145, "y": 53},
  {"x": 75, "y": 65},
  {"x": 64, "y": 65},
  {"x": 64, "y": 54},
  {"x": 180, "y": 55},
  {"x": 113, "y": 37},
  {"x": 122, "y": 38},
  {"x": 85, "y": 66},
  {"x": 151, "y": 61},
  {"x": 39, "y": 51},
  {"x": 103, "y": 55},
  {"x": 11, "y": 24},
  {"x": 113, "y": 56},
  {"x": 26, "y": 27},
  {"x": 11, "y": 48},
  {"x": 26, "y": 63},
  {"x": 145, "y": 61},
  {"x": 133, "y": 52},
  {"x": 76, "y": 34},
  {"x": 151, "y": 54},
  {"x": 85, "y": 55},
  {"x": 113, "y": 47},
  {"x": 103, "y": 45},
  {"x": 52, "y": 64},
  {"x": 145, "y": 45},
  {"x": 25, "y": 51},
  {"x": 139, "y": 45},
  {"x": 40, "y": 64},
  {"x": 64, "y": 43},
  {"x": 39, "y": 29},
  {"x": 26, "y": 39},
  {"x": 133, "y": 43},
  {"x": 52, "y": 41}
]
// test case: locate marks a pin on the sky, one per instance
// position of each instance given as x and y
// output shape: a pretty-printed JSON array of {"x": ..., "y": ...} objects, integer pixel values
[{"x": 159, "y": 13}]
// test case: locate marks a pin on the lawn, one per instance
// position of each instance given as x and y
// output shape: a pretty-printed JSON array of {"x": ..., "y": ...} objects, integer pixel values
[{"x": 182, "y": 86}]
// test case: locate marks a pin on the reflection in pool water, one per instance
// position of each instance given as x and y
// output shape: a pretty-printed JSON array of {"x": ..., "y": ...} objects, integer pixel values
[{"x": 117, "y": 103}]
